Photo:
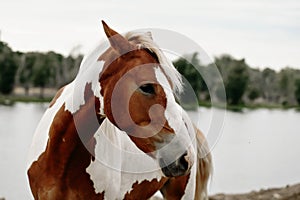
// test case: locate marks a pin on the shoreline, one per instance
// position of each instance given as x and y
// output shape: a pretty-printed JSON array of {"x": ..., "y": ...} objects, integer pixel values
[
  {"x": 11, "y": 99},
  {"x": 34, "y": 96},
  {"x": 280, "y": 193},
  {"x": 283, "y": 193}
]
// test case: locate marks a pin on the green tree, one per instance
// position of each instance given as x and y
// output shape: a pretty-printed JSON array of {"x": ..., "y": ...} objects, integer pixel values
[
  {"x": 41, "y": 73},
  {"x": 8, "y": 69},
  {"x": 224, "y": 64},
  {"x": 26, "y": 70},
  {"x": 255, "y": 84},
  {"x": 287, "y": 86},
  {"x": 189, "y": 67},
  {"x": 235, "y": 74},
  {"x": 237, "y": 81},
  {"x": 297, "y": 91},
  {"x": 269, "y": 85},
  {"x": 54, "y": 62},
  {"x": 253, "y": 94}
]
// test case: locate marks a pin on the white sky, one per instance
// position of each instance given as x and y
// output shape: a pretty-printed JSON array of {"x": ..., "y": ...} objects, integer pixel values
[{"x": 265, "y": 32}]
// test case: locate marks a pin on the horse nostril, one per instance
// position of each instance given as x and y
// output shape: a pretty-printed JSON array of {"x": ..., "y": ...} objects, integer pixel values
[
  {"x": 183, "y": 162},
  {"x": 179, "y": 167}
]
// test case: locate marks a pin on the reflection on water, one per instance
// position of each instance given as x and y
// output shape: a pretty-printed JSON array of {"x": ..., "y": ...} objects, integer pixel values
[{"x": 257, "y": 149}]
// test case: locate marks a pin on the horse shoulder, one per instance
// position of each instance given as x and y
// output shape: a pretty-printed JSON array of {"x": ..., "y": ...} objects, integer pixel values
[
  {"x": 46, "y": 171},
  {"x": 58, "y": 170}
]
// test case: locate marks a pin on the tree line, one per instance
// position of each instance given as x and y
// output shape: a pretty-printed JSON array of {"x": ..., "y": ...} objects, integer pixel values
[
  {"x": 243, "y": 84},
  {"x": 35, "y": 69}
]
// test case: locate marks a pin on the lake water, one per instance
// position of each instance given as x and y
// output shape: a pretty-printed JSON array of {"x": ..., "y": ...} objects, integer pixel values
[{"x": 256, "y": 149}]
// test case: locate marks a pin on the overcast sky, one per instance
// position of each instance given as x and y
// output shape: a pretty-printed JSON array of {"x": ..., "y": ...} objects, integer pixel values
[{"x": 265, "y": 32}]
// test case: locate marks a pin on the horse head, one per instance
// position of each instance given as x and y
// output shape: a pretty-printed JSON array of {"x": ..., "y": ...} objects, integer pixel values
[{"x": 138, "y": 87}]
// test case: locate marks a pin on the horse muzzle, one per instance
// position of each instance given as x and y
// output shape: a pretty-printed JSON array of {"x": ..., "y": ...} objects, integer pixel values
[{"x": 179, "y": 167}]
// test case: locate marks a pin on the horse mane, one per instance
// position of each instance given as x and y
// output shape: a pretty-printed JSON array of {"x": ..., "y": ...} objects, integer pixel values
[{"x": 144, "y": 41}]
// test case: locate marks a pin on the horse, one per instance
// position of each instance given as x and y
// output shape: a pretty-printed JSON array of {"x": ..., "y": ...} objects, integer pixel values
[{"x": 117, "y": 132}]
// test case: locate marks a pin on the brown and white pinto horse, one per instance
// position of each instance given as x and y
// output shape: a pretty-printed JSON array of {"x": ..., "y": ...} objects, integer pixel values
[{"x": 117, "y": 132}]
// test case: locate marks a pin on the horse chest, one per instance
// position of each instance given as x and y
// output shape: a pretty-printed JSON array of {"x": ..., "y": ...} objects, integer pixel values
[{"x": 120, "y": 169}]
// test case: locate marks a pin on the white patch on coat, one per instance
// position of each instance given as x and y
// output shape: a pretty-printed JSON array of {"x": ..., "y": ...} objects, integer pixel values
[
  {"x": 89, "y": 71},
  {"x": 119, "y": 163}
]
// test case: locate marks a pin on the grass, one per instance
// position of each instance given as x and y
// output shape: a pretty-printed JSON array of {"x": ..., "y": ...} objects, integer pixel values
[
  {"x": 241, "y": 107},
  {"x": 10, "y": 100}
]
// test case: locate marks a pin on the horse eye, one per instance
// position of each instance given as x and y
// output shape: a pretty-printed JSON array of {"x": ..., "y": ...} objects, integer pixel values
[{"x": 147, "y": 89}]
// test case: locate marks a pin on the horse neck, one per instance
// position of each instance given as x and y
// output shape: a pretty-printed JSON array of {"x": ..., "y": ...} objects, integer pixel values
[{"x": 73, "y": 133}]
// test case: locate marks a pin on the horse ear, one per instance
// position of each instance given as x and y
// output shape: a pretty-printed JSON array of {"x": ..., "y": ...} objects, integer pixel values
[
  {"x": 149, "y": 34},
  {"x": 117, "y": 41}
]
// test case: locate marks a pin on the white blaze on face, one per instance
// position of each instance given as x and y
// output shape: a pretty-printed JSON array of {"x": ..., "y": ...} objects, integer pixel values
[{"x": 181, "y": 142}]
